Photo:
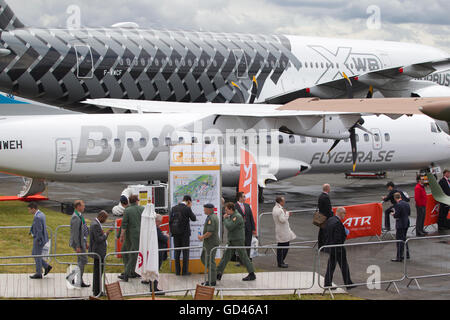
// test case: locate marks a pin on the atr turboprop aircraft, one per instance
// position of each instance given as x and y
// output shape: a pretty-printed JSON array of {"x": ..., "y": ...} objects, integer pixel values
[
  {"x": 64, "y": 67},
  {"x": 286, "y": 139}
]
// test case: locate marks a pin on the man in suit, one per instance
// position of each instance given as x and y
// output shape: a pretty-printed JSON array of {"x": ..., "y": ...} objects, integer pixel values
[
  {"x": 390, "y": 197},
  {"x": 130, "y": 236},
  {"x": 335, "y": 234},
  {"x": 401, "y": 214},
  {"x": 98, "y": 244},
  {"x": 79, "y": 232},
  {"x": 443, "y": 208},
  {"x": 40, "y": 237},
  {"x": 325, "y": 208},
  {"x": 180, "y": 229},
  {"x": 246, "y": 212}
]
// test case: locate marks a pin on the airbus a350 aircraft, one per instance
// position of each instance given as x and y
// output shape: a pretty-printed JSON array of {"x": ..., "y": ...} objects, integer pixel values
[
  {"x": 95, "y": 148},
  {"x": 64, "y": 67}
]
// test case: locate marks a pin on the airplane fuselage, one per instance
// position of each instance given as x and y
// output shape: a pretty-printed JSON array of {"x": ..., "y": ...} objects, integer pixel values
[
  {"x": 95, "y": 148},
  {"x": 64, "y": 67}
]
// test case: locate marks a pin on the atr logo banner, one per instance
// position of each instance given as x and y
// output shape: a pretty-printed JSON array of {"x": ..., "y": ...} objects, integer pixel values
[
  {"x": 363, "y": 220},
  {"x": 248, "y": 182},
  {"x": 432, "y": 211}
]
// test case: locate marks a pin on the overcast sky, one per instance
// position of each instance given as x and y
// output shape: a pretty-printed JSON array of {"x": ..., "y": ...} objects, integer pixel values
[{"x": 426, "y": 22}]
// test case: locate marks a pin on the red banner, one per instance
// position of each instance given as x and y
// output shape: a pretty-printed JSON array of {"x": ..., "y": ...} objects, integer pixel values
[
  {"x": 432, "y": 211},
  {"x": 248, "y": 182},
  {"x": 363, "y": 220}
]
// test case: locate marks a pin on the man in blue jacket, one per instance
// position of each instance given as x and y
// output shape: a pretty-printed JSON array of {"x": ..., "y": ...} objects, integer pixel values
[
  {"x": 401, "y": 214},
  {"x": 40, "y": 238}
]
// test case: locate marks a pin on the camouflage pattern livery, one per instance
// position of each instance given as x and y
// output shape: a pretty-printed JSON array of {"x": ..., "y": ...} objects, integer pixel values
[{"x": 63, "y": 67}]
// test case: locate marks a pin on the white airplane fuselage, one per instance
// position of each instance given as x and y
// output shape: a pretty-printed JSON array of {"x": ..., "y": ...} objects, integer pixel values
[{"x": 133, "y": 147}]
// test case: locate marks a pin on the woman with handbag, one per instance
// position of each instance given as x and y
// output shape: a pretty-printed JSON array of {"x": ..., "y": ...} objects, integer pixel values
[{"x": 283, "y": 232}]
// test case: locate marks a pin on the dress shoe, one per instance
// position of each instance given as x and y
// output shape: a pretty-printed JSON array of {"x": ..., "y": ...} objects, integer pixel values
[
  {"x": 397, "y": 260},
  {"x": 283, "y": 265},
  {"x": 159, "y": 292},
  {"x": 145, "y": 282},
  {"x": 123, "y": 278},
  {"x": 219, "y": 276},
  {"x": 84, "y": 285},
  {"x": 36, "y": 276},
  {"x": 350, "y": 287},
  {"x": 47, "y": 270},
  {"x": 212, "y": 284},
  {"x": 251, "y": 276}
]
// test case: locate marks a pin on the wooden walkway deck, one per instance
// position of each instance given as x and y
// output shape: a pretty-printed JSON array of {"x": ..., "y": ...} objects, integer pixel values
[{"x": 54, "y": 285}]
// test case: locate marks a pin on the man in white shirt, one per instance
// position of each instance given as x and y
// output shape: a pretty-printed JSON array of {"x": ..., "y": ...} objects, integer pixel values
[{"x": 283, "y": 232}]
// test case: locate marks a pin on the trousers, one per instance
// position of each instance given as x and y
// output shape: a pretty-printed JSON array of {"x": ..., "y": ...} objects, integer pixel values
[
  {"x": 181, "y": 241},
  {"x": 338, "y": 255}
]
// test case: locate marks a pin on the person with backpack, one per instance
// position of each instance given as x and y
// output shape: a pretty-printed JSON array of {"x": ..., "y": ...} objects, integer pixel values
[
  {"x": 390, "y": 197},
  {"x": 180, "y": 230}
]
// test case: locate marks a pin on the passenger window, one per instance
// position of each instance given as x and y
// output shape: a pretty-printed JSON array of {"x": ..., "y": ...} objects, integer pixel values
[
  {"x": 142, "y": 142},
  {"x": 269, "y": 139},
  {"x": 194, "y": 140},
  {"x": 257, "y": 139},
  {"x": 130, "y": 142},
  {"x": 167, "y": 141},
  {"x": 233, "y": 140},
  {"x": 292, "y": 139},
  {"x": 302, "y": 139},
  {"x": 314, "y": 140},
  {"x": 387, "y": 137},
  {"x": 155, "y": 142},
  {"x": 245, "y": 140},
  {"x": 180, "y": 140},
  {"x": 220, "y": 140},
  {"x": 366, "y": 137},
  {"x": 117, "y": 143},
  {"x": 325, "y": 140},
  {"x": 91, "y": 144},
  {"x": 207, "y": 140},
  {"x": 280, "y": 139},
  {"x": 376, "y": 137}
]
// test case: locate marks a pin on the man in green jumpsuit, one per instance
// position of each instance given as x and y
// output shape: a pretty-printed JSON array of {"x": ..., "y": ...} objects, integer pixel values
[
  {"x": 210, "y": 240},
  {"x": 130, "y": 235},
  {"x": 234, "y": 223}
]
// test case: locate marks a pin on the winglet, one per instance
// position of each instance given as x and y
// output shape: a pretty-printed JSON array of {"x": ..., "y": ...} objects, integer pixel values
[{"x": 8, "y": 20}]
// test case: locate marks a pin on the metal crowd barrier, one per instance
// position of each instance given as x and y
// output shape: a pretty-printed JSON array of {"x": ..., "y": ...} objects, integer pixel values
[
  {"x": 426, "y": 249},
  {"x": 360, "y": 261},
  {"x": 49, "y": 230},
  {"x": 53, "y": 285},
  {"x": 270, "y": 213},
  {"x": 136, "y": 288},
  {"x": 292, "y": 281}
]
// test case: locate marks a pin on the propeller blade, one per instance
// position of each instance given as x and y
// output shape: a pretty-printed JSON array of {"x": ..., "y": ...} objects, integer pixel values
[
  {"x": 334, "y": 145},
  {"x": 354, "y": 149},
  {"x": 348, "y": 86},
  {"x": 254, "y": 90},
  {"x": 363, "y": 129},
  {"x": 370, "y": 93}
]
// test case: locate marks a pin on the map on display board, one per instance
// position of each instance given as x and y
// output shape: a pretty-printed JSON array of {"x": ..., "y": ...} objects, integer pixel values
[{"x": 195, "y": 171}]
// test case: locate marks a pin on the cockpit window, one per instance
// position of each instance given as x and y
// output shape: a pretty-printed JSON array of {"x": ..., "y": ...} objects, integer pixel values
[{"x": 433, "y": 127}]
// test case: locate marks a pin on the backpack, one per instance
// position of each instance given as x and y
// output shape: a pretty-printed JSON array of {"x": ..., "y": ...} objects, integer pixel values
[{"x": 175, "y": 221}]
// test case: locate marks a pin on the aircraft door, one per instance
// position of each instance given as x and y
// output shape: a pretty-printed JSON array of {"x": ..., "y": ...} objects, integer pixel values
[
  {"x": 63, "y": 162},
  {"x": 376, "y": 139},
  {"x": 85, "y": 62}
]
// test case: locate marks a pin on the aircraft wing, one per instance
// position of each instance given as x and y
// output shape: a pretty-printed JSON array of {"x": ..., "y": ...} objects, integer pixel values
[
  {"x": 436, "y": 190},
  {"x": 392, "y": 82},
  {"x": 393, "y": 107}
]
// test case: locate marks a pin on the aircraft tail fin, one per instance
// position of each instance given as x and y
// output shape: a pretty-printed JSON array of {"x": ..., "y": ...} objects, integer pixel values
[{"x": 8, "y": 19}]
